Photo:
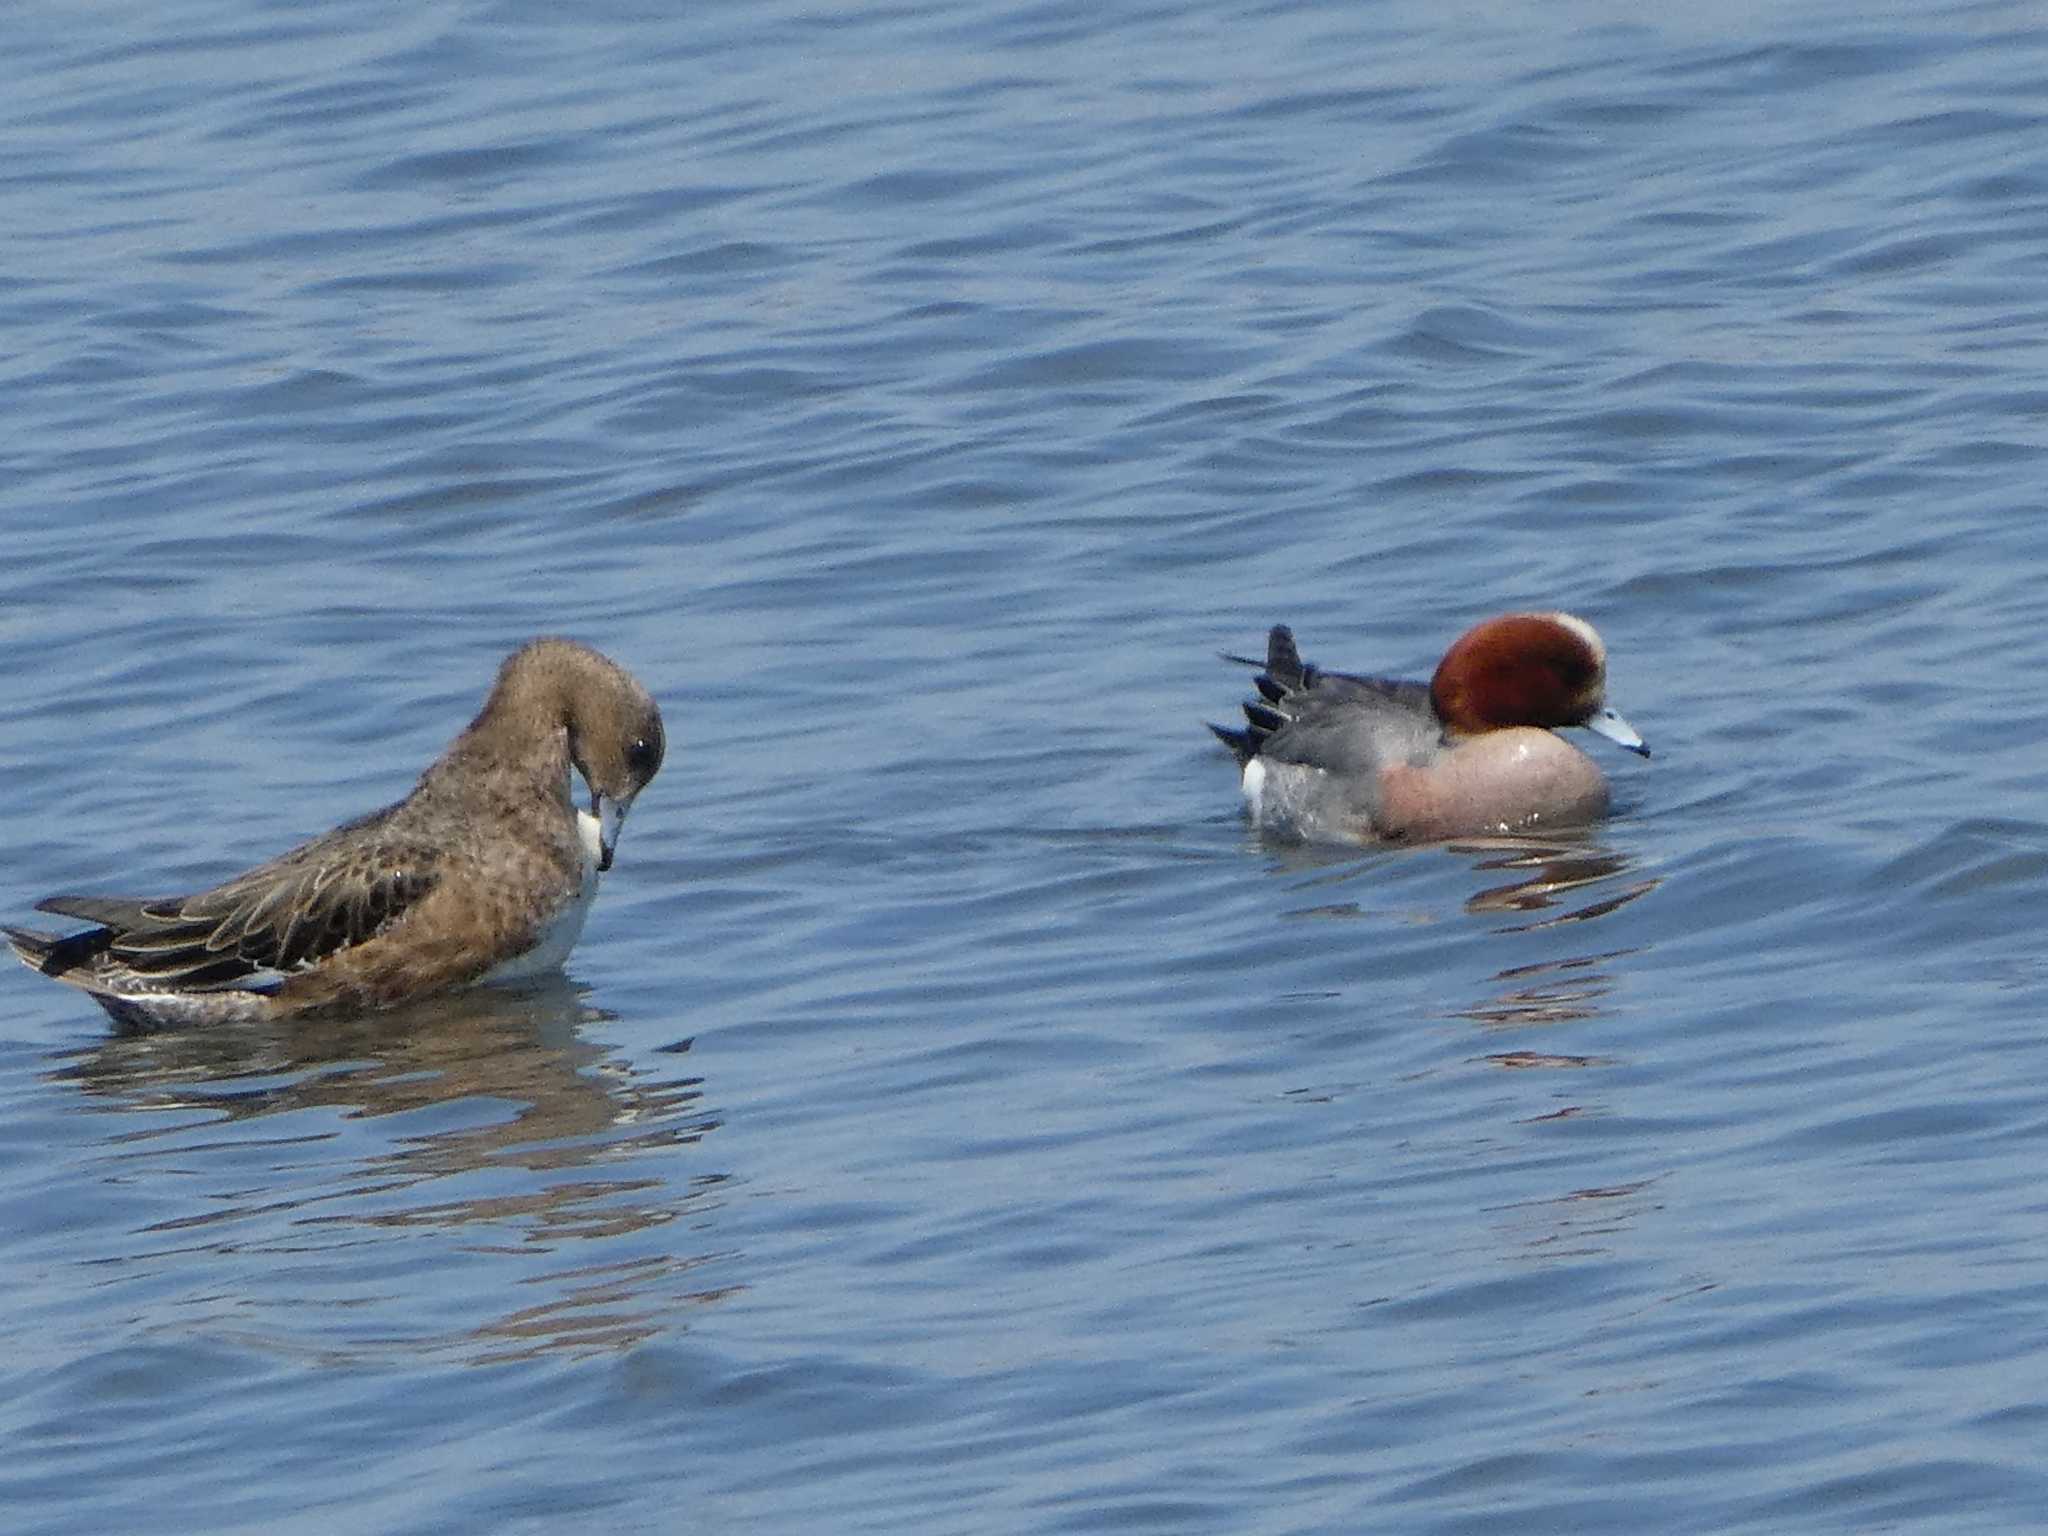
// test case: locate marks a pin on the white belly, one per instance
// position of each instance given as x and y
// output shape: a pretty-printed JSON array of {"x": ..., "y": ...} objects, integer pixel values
[{"x": 565, "y": 928}]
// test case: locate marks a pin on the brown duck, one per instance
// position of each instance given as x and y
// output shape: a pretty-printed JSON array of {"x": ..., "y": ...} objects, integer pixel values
[{"x": 482, "y": 874}]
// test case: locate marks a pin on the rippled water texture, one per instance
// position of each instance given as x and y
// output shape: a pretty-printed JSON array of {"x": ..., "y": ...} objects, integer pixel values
[{"x": 954, "y": 1120}]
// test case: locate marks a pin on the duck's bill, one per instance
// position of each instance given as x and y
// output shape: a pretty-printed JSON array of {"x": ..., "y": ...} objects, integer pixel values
[
  {"x": 1608, "y": 723},
  {"x": 611, "y": 815}
]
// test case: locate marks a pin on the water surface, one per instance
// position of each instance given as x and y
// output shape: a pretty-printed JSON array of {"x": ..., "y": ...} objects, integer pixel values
[{"x": 953, "y": 1119}]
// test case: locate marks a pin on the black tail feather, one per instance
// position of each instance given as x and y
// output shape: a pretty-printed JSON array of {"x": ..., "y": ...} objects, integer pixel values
[
  {"x": 1283, "y": 661},
  {"x": 1243, "y": 745},
  {"x": 52, "y": 955},
  {"x": 1282, "y": 675}
]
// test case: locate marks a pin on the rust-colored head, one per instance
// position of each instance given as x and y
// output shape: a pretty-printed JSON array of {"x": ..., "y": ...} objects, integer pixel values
[{"x": 1541, "y": 669}]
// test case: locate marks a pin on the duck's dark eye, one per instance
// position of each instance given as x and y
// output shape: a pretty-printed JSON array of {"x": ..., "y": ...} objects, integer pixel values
[{"x": 643, "y": 757}]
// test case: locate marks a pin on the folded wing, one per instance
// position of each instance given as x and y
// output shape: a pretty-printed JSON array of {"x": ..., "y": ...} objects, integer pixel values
[
  {"x": 280, "y": 917},
  {"x": 1337, "y": 721}
]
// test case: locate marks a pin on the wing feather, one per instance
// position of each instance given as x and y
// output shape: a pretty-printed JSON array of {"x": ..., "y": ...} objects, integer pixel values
[
  {"x": 326, "y": 895},
  {"x": 1338, "y": 721}
]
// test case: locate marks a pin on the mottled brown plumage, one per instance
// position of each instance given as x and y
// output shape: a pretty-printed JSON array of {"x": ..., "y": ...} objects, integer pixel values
[{"x": 484, "y": 870}]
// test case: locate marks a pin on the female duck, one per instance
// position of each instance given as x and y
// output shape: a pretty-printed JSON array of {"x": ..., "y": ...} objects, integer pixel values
[
  {"x": 482, "y": 874},
  {"x": 1330, "y": 755}
]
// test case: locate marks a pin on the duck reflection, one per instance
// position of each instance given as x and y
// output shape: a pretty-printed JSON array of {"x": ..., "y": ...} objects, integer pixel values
[
  {"x": 1546, "y": 874},
  {"x": 568, "y": 1099},
  {"x": 1582, "y": 1223},
  {"x": 1566, "y": 884},
  {"x": 1548, "y": 992},
  {"x": 1556, "y": 883},
  {"x": 501, "y": 1124},
  {"x": 1554, "y": 892}
]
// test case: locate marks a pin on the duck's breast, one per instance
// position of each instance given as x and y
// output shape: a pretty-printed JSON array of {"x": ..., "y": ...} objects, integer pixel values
[
  {"x": 559, "y": 937},
  {"x": 1516, "y": 780}
]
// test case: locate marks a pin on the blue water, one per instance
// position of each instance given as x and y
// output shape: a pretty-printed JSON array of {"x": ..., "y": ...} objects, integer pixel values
[{"x": 954, "y": 1119}]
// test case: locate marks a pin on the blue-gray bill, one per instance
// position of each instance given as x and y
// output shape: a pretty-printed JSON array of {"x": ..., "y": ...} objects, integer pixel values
[{"x": 1608, "y": 723}]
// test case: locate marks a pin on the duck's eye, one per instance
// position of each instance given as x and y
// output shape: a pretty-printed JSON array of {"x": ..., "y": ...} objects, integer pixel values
[{"x": 643, "y": 757}]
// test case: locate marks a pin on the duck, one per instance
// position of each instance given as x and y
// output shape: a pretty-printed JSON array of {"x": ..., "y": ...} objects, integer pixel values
[
  {"x": 483, "y": 874},
  {"x": 1340, "y": 757}
]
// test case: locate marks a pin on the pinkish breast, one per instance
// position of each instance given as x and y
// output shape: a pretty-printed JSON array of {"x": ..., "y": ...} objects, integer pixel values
[{"x": 1516, "y": 780}]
